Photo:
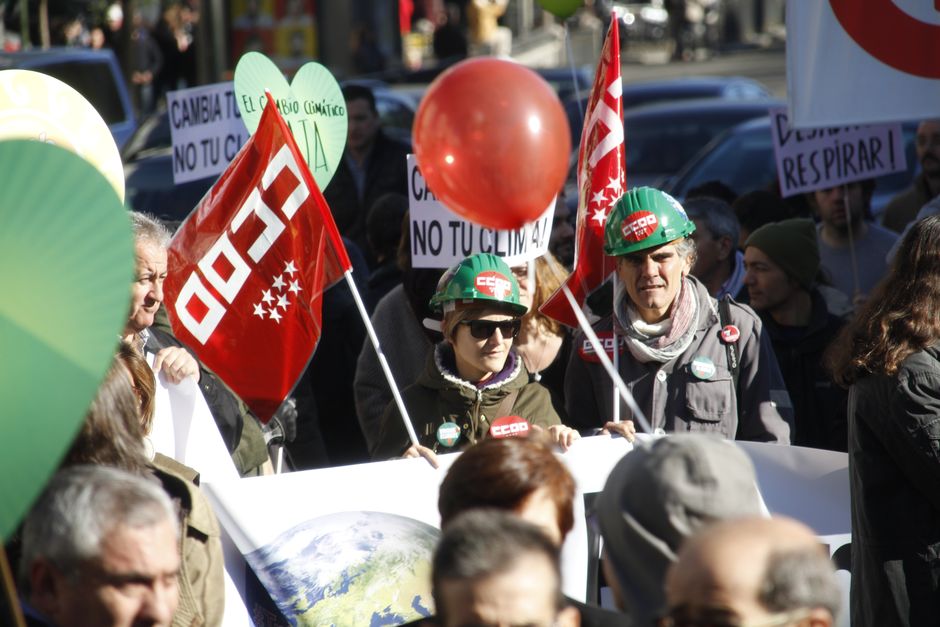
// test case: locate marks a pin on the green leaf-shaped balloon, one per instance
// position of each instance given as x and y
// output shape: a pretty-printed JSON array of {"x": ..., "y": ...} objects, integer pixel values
[
  {"x": 312, "y": 105},
  {"x": 66, "y": 265}
]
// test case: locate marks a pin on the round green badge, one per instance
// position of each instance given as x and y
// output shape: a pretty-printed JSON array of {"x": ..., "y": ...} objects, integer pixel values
[
  {"x": 448, "y": 434},
  {"x": 703, "y": 368}
]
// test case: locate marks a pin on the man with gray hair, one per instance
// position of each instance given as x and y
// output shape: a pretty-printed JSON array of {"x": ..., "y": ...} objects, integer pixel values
[
  {"x": 493, "y": 568},
  {"x": 657, "y": 496},
  {"x": 753, "y": 571},
  {"x": 100, "y": 548},
  {"x": 719, "y": 265},
  {"x": 148, "y": 331},
  {"x": 151, "y": 240}
]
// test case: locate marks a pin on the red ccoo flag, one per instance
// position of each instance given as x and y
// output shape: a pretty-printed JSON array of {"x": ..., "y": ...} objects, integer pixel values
[
  {"x": 248, "y": 268},
  {"x": 601, "y": 181}
]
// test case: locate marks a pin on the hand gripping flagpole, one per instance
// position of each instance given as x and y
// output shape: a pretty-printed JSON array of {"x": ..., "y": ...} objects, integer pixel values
[
  {"x": 605, "y": 361},
  {"x": 382, "y": 361}
]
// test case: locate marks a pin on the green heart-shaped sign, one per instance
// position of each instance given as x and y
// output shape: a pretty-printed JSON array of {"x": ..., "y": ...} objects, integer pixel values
[
  {"x": 66, "y": 264},
  {"x": 312, "y": 105}
]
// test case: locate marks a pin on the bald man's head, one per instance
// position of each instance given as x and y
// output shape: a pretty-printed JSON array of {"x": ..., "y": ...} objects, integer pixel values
[{"x": 753, "y": 570}]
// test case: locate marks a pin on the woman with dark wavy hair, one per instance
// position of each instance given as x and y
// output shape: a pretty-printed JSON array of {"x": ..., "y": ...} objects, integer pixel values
[{"x": 889, "y": 357}]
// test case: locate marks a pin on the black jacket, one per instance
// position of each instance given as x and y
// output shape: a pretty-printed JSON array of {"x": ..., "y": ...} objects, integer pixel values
[
  {"x": 894, "y": 470},
  {"x": 818, "y": 403},
  {"x": 386, "y": 171}
]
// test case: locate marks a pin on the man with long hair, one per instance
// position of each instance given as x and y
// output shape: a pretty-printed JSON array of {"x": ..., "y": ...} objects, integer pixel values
[
  {"x": 889, "y": 356},
  {"x": 692, "y": 363}
]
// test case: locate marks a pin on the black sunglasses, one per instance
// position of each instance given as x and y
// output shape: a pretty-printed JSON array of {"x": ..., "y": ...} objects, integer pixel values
[{"x": 483, "y": 329}]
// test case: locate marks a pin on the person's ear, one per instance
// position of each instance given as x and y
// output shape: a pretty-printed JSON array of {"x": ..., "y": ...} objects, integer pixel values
[
  {"x": 725, "y": 247},
  {"x": 45, "y": 587},
  {"x": 568, "y": 617},
  {"x": 689, "y": 262}
]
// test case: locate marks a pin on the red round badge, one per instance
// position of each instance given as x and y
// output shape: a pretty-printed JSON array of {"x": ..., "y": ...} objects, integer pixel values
[
  {"x": 493, "y": 284},
  {"x": 638, "y": 226},
  {"x": 510, "y": 427},
  {"x": 730, "y": 334}
]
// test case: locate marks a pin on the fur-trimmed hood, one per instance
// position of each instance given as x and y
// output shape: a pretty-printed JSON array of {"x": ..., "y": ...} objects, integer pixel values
[{"x": 441, "y": 373}]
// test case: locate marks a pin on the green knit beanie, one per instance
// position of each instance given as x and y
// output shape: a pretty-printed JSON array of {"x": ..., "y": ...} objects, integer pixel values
[{"x": 791, "y": 244}]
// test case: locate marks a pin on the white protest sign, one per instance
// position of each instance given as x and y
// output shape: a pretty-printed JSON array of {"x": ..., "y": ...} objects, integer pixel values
[
  {"x": 354, "y": 519},
  {"x": 862, "y": 62},
  {"x": 206, "y": 128},
  {"x": 818, "y": 158},
  {"x": 440, "y": 238},
  {"x": 184, "y": 429}
]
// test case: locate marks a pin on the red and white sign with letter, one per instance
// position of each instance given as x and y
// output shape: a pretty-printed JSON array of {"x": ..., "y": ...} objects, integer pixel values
[
  {"x": 854, "y": 62},
  {"x": 248, "y": 268}
]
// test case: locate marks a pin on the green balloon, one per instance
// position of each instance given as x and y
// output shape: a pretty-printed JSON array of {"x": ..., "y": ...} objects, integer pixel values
[
  {"x": 312, "y": 105},
  {"x": 66, "y": 265},
  {"x": 562, "y": 9}
]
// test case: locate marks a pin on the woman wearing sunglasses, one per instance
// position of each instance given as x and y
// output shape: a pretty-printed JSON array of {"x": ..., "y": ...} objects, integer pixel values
[{"x": 474, "y": 376}]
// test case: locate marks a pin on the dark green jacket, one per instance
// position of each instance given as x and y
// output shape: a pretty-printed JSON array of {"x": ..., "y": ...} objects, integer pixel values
[{"x": 440, "y": 395}]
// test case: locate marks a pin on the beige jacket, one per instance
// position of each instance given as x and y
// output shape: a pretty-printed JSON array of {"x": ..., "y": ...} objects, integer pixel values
[{"x": 201, "y": 581}]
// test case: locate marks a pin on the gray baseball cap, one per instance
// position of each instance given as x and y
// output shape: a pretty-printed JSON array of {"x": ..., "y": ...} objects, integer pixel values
[{"x": 659, "y": 494}]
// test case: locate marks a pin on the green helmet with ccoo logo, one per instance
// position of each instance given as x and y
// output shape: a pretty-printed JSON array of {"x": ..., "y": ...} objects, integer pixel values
[
  {"x": 644, "y": 218},
  {"x": 481, "y": 278}
]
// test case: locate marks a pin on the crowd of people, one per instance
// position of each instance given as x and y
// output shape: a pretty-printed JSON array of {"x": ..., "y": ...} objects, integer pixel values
[
  {"x": 157, "y": 55},
  {"x": 730, "y": 319}
]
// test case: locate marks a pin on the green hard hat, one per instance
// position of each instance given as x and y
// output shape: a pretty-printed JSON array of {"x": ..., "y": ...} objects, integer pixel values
[
  {"x": 483, "y": 278},
  {"x": 644, "y": 218}
]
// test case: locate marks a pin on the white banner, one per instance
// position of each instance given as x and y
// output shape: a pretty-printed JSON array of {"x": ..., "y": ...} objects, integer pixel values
[
  {"x": 819, "y": 158},
  {"x": 206, "y": 128},
  {"x": 440, "y": 238},
  {"x": 184, "y": 429},
  {"x": 852, "y": 62},
  {"x": 347, "y": 541}
]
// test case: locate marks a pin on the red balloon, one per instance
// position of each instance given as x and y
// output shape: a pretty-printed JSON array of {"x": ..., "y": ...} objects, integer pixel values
[{"x": 492, "y": 141}]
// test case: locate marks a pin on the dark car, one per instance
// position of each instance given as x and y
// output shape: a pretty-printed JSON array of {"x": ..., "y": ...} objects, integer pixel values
[
  {"x": 153, "y": 133},
  {"x": 689, "y": 87},
  {"x": 396, "y": 107},
  {"x": 149, "y": 187},
  {"x": 643, "y": 93},
  {"x": 148, "y": 173},
  {"x": 661, "y": 138},
  {"x": 743, "y": 159},
  {"x": 94, "y": 74},
  {"x": 567, "y": 84}
]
